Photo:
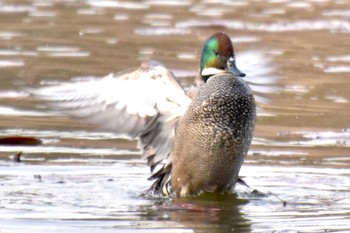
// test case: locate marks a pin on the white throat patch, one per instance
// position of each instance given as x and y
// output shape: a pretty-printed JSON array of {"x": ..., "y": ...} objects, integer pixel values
[{"x": 211, "y": 71}]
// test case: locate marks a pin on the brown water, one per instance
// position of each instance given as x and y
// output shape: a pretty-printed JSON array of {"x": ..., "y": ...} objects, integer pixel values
[{"x": 296, "y": 55}]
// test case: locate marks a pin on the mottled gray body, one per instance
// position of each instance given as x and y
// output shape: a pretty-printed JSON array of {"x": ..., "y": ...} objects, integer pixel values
[{"x": 213, "y": 137}]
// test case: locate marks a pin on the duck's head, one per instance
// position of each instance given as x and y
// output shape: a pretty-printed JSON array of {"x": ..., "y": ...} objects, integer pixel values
[{"x": 218, "y": 57}]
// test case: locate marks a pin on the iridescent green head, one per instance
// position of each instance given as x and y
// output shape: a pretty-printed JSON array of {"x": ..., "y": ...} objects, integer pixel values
[{"x": 218, "y": 56}]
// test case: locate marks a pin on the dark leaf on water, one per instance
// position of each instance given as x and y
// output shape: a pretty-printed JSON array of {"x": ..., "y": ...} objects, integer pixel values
[{"x": 19, "y": 140}]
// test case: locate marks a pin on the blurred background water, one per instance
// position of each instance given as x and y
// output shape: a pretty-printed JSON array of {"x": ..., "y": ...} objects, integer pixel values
[{"x": 297, "y": 58}]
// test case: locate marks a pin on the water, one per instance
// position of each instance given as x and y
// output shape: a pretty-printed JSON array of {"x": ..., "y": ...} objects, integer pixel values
[{"x": 296, "y": 56}]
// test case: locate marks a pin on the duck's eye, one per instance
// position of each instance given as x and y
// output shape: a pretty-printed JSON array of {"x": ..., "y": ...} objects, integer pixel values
[{"x": 216, "y": 53}]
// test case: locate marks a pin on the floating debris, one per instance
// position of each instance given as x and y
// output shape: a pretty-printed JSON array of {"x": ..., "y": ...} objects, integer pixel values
[
  {"x": 19, "y": 140},
  {"x": 17, "y": 157}
]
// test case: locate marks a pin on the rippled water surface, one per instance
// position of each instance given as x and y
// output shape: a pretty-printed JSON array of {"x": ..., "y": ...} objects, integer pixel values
[{"x": 297, "y": 58}]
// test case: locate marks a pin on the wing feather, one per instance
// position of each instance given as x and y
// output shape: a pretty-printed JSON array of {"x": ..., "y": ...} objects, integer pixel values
[{"x": 144, "y": 104}]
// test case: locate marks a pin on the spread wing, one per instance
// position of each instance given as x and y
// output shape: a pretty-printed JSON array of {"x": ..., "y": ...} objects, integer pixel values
[
  {"x": 261, "y": 74},
  {"x": 143, "y": 104}
]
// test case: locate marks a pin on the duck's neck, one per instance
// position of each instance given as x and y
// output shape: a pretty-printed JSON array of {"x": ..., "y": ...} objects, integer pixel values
[{"x": 199, "y": 80}]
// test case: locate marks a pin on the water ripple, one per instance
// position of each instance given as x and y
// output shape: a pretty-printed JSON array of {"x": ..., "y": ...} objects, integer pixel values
[
  {"x": 337, "y": 69},
  {"x": 168, "y": 2},
  {"x": 11, "y": 63},
  {"x": 10, "y": 34},
  {"x": 9, "y": 111},
  {"x": 300, "y": 25},
  {"x": 121, "y": 17},
  {"x": 345, "y": 58},
  {"x": 161, "y": 31},
  {"x": 117, "y": 4},
  {"x": 331, "y": 13},
  {"x": 6, "y": 8},
  {"x": 43, "y": 14},
  {"x": 62, "y": 51},
  {"x": 66, "y": 150}
]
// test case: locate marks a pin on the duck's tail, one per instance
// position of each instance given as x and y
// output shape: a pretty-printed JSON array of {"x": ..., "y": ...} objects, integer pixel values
[{"x": 162, "y": 184}]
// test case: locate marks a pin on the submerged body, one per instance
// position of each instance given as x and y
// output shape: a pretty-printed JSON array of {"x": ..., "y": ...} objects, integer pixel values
[{"x": 193, "y": 141}]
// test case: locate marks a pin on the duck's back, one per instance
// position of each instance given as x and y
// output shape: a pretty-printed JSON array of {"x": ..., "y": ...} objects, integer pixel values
[{"x": 213, "y": 137}]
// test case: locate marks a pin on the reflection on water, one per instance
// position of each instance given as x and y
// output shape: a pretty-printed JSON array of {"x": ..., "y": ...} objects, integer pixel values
[{"x": 296, "y": 58}]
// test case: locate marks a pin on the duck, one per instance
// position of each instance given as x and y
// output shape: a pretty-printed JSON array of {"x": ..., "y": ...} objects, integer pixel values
[{"x": 195, "y": 140}]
